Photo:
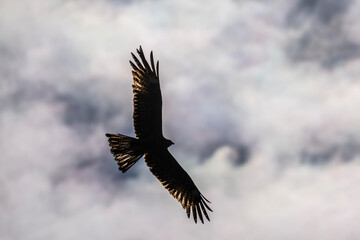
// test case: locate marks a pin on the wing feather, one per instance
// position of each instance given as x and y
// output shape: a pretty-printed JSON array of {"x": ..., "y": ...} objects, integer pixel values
[
  {"x": 179, "y": 184},
  {"x": 152, "y": 61},
  {"x": 194, "y": 212},
  {"x": 157, "y": 68},
  {"x": 138, "y": 63}
]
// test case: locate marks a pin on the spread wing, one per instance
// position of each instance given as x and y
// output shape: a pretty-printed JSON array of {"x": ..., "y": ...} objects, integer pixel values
[
  {"x": 147, "y": 97},
  {"x": 176, "y": 180}
]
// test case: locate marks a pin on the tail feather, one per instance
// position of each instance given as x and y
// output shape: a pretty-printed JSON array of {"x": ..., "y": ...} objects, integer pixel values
[{"x": 123, "y": 150}]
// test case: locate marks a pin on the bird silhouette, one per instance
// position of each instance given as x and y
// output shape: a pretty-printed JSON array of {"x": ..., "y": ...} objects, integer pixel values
[{"x": 150, "y": 141}]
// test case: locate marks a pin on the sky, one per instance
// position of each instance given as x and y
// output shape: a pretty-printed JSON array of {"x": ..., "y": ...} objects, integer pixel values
[{"x": 259, "y": 97}]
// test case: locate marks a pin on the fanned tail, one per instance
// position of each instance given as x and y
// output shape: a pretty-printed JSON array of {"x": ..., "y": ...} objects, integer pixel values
[{"x": 124, "y": 150}]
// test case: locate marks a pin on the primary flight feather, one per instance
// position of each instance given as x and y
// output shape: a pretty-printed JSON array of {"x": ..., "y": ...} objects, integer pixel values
[{"x": 150, "y": 141}]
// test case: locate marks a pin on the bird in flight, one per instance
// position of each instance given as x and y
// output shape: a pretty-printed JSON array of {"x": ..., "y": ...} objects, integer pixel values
[{"x": 150, "y": 141}]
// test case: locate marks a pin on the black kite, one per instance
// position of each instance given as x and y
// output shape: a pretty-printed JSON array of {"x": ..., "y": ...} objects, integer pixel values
[{"x": 150, "y": 141}]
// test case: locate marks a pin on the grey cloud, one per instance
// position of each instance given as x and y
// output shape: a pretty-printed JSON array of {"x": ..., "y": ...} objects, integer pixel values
[
  {"x": 318, "y": 11},
  {"x": 83, "y": 108},
  {"x": 319, "y": 153},
  {"x": 323, "y": 37},
  {"x": 243, "y": 155}
]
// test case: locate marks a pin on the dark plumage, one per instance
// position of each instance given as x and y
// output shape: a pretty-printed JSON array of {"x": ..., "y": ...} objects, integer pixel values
[{"x": 150, "y": 141}]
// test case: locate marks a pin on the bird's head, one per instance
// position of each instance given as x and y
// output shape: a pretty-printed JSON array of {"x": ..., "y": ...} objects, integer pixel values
[{"x": 168, "y": 143}]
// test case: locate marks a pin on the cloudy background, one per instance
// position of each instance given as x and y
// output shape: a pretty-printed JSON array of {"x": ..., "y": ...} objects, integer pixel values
[{"x": 260, "y": 97}]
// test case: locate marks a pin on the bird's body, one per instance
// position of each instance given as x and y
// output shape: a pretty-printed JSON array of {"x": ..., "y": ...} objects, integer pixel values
[
  {"x": 152, "y": 145},
  {"x": 150, "y": 141}
]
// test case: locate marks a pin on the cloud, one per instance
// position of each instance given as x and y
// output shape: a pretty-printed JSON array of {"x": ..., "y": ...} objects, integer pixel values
[
  {"x": 323, "y": 37},
  {"x": 259, "y": 99}
]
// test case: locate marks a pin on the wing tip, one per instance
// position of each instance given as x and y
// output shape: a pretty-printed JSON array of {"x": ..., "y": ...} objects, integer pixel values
[{"x": 140, "y": 50}]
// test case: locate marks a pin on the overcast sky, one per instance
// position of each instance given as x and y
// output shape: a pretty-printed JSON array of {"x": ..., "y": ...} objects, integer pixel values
[{"x": 261, "y": 100}]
